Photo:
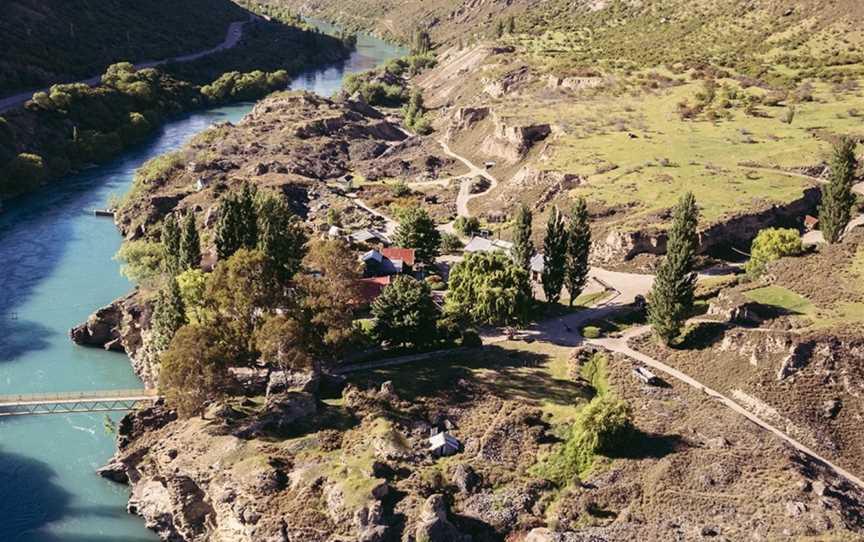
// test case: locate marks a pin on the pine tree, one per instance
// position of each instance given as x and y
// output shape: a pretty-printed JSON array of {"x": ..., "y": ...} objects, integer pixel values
[
  {"x": 169, "y": 315},
  {"x": 554, "y": 257},
  {"x": 511, "y": 25},
  {"x": 578, "y": 250},
  {"x": 499, "y": 29},
  {"x": 190, "y": 244},
  {"x": 171, "y": 242},
  {"x": 835, "y": 212},
  {"x": 671, "y": 297}
]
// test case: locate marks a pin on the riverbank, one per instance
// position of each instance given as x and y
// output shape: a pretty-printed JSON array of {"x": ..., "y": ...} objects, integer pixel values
[
  {"x": 74, "y": 126},
  {"x": 62, "y": 269}
]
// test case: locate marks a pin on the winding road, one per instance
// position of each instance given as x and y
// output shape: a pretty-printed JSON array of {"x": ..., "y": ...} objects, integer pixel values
[
  {"x": 564, "y": 331},
  {"x": 232, "y": 38}
]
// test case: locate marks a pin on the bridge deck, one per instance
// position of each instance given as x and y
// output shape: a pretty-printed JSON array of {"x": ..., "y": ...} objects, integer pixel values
[{"x": 66, "y": 402}]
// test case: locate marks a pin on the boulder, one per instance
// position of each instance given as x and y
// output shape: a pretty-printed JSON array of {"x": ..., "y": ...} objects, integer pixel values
[
  {"x": 465, "y": 478},
  {"x": 114, "y": 471},
  {"x": 434, "y": 525}
]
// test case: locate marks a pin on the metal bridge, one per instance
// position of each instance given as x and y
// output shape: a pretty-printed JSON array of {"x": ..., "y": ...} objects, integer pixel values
[{"x": 70, "y": 402}]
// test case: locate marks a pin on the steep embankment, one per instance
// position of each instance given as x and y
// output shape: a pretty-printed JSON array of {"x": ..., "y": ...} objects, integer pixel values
[
  {"x": 73, "y": 125},
  {"x": 51, "y": 42}
]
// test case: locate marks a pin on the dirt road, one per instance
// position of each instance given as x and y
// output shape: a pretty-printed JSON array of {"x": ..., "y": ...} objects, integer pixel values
[{"x": 621, "y": 346}]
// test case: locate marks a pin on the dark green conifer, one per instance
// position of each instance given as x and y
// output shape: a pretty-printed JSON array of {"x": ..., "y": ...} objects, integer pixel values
[
  {"x": 169, "y": 315},
  {"x": 554, "y": 257},
  {"x": 671, "y": 297},
  {"x": 578, "y": 250},
  {"x": 190, "y": 244},
  {"x": 835, "y": 212},
  {"x": 171, "y": 242}
]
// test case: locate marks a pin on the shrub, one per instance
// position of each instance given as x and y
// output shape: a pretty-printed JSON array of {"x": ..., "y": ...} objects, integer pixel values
[
  {"x": 450, "y": 243},
  {"x": 591, "y": 332},
  {"x": 468, "y": 226},
  {"x": 400, "y": 190},
  {"x": 471, "y": 339},
  {"x": 772, "y": 244}
]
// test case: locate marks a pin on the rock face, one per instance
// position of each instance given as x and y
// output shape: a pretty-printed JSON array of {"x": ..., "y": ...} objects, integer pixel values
[
  {"x": 434, "y": 526},
  {"x": 107, "y": 327}
]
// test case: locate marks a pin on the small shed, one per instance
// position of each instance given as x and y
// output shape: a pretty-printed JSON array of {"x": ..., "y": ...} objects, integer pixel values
[
  {"x": 811, "y": 222},
  {"x": 444, "y": 444},
  {"x": 646, "y": 376}
]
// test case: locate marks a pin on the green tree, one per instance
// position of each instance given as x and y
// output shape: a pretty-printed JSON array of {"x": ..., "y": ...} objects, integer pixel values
[
  {"x": 469, "y": 226},
  {"x": 418, "y": 231},
  {"x": 554, "y": 256},
  {"x": 193, "y": 287},
  {"x": 240, "y": 291},
  {"x": 499, "y": 28},
  {"x": 169, "y": 315},
  {"x": 283, "y": 341},
  {"x": 190, "y": 244},
  {"x": 421, "y": 43},
  {"x": 511, "y": 25},
  {"x": 281, "y": 237},
  {"x": 578, "y": 250},
  {"x": 671, "y": 297},
  {"x": 487, "y": 288},
  {"x": 404, "y": 313},
  {"x": 329, "y": 295},
  {"x": 194, "y": 370},
  {"x": 142, "y": 261},
  {"x": 523, "y": 247},
  {"x": 171, "y": 241},
  {"x": 238, "y": 223},
  {"x": 772, "y": 244},
  {"x": 603, "y": 426},
  {"x": 415, "y": 108},
  {"x": 835, "y": 212}
]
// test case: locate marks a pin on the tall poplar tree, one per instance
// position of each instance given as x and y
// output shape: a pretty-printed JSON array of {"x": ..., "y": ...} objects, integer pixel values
[
  {"x": 169, "y": 315},
  {"x": 554, "y": 256},
  {"x": 578, "y": 250},
  {"x": 238, "y": 223},
  {"x": 171, "y": 242},
  {"x": 671, "y": 297},
  {"x": 835, "y": 212},
  {"x": 190, "y": 244},
  {"x": 281, "y": 237}
]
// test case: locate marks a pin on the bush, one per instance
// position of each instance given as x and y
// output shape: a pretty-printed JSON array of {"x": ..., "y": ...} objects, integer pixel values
[
  {"x": 451, "y": 243},
  {"x": 591, "y": 332},
  {"x": 772, "y": 244},
  {"x": 604, "y": 425},
  {"x": 469, "y": 226},
  {"x": 471, "y": 339},
  {"x": 400, "y": 190}
]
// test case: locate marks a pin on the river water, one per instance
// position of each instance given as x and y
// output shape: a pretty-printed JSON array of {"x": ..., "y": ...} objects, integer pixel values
[{"x": 56, "y": 267}]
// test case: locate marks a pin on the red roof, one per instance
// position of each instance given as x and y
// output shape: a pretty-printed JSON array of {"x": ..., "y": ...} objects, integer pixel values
[
  {"x": 370, "y": 288},
  {"x": 404, "y": 254}
]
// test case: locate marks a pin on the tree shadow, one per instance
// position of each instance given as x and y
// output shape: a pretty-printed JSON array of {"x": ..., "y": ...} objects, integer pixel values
[
  {"x": 30, "y": 498},
  {"x": 702, "y": 336},
  {"x": 642, "y": 445},
  {"x": 497, "y": 371}
]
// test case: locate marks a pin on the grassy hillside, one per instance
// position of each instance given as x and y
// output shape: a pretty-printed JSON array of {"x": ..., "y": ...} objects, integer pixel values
[{"x": 47, "y": 42}]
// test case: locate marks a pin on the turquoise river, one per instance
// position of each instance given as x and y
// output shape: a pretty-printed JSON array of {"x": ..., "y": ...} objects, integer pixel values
[{"x": 56, "y": 267}]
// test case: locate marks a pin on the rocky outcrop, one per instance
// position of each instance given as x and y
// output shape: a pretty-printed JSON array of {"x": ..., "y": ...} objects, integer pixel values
[
  {"x": 113, "y": 327},
  {"x": 435, "y": 526}
]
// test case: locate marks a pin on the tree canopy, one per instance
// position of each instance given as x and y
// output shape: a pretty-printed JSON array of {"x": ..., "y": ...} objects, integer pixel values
[
  {"x": 487, "y": 288},
  {"x": 578, "y": 250},
  {"x": 194, "y": 369},
  {"x": 671, "y": 298},
  {"x": 418, "y": 231},
  {"x": 404, "y": 313},
  {"x": 835, "y": 212},
  {"x": 772, "y": 244}
]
